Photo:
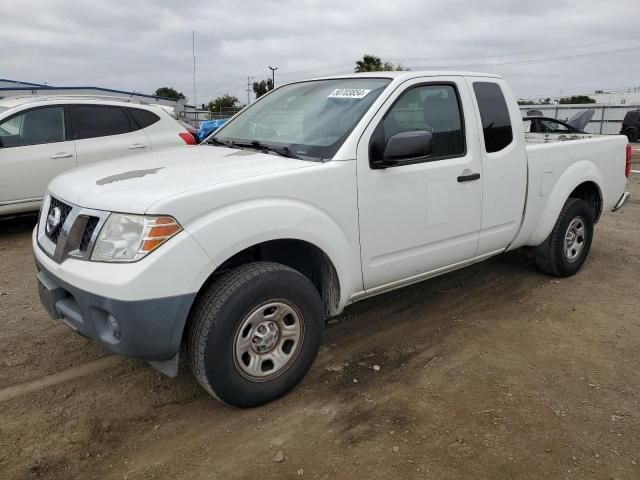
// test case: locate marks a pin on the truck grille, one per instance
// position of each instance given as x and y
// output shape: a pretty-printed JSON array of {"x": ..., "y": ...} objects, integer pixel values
[
  {"x": 68, "y": 231},
  {"x": 64, "y": 210},
  {"x": 92, "y": 223}
]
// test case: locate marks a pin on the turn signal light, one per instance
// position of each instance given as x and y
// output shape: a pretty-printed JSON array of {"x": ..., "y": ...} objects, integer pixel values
[{"x": 161, "y": 230}]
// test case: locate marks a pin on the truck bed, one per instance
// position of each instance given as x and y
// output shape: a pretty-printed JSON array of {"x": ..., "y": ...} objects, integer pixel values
[{"x": 555, "y": 161}]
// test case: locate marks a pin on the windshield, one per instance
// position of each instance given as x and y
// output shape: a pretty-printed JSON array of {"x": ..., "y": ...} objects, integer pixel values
[{"x": 309, "y": 119}]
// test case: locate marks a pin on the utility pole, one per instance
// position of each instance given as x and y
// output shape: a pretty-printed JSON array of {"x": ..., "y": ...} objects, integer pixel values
[
  {"x": 249, "y": 90},
  {"x": 195, "y": 102},
  {"x": 273, "y": 76}
]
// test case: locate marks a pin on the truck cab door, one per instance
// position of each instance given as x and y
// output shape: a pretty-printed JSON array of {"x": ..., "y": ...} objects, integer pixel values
[
  {"x": 504, "y": 163},
  {"x": 420, "y": 214}
]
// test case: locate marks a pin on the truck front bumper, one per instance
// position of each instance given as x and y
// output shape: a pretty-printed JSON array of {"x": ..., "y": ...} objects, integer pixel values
[
  {"x": 138, "y": 310},
  {"x": 144, "y": 329},
  {"x": 623, "y": 199}
]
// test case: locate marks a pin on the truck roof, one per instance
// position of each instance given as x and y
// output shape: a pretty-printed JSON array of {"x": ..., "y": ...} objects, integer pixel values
[{"x": 407, "y": 75}]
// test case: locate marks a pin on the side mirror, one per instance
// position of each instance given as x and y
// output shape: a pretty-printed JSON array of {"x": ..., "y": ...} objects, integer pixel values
[{"x": 406, "y": 145}]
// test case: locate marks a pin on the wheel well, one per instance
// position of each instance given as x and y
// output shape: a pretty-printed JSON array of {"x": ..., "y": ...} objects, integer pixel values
[
  {"x": 302, "y": 256},
  {"x": 590, "y": 193}
]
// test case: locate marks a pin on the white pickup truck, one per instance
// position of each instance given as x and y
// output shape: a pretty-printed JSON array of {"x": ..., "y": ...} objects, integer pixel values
[{"x": 322, "y": 193}]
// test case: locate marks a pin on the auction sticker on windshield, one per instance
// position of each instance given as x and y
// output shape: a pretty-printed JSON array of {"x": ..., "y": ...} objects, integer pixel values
[{"x": 349, "y": 93}]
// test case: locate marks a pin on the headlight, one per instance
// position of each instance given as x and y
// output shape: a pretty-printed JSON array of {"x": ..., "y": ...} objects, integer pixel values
[{"x": 127, "y": 238}]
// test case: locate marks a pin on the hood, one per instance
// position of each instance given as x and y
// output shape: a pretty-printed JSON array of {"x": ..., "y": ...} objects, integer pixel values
[
  {"x": 133, "y": 184},
  {"x": 581, "y": 119}
]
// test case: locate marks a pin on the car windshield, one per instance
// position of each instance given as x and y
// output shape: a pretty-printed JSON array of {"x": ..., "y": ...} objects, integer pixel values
[{"x": 310, "y": 120}]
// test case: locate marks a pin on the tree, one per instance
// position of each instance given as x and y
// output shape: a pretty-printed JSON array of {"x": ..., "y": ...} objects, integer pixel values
[
  {"x": 577, "y": 99},
  {"x": 169, "y": 92},
  {"x": 262, "y": 87},
  {"x": 224, "y": 102},
  {"x": 371, "y": 63},
  {"x": 546, "y": 101}
]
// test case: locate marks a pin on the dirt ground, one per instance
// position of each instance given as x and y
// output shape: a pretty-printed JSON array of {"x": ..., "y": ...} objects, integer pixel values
[{"x": 492, "y": 372}]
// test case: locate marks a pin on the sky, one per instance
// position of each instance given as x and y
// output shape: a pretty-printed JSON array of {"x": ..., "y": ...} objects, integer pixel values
[{"x": 544, "y": 48}]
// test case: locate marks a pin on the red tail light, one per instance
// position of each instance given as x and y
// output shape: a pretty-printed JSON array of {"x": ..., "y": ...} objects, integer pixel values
[
  {"x": 188, "y": 138},
  {"x": 627, "y": 167}
]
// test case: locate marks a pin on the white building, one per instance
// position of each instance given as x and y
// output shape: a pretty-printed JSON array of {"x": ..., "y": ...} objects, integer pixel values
[{"x": 630, "y": 96}]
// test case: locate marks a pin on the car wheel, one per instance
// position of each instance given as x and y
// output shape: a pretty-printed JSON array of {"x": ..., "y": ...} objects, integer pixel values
[
  {"x": 254, "y": 333},
  {"x": 565, "y": 250}
]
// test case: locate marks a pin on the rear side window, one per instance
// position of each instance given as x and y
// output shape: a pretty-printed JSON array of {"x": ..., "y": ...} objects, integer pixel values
[
  {"x": 91, "y": 121},
  {"x": 496, "y": 122},
  {"x": 143, "y": 118},
  {"x": 631, "y": 117}
]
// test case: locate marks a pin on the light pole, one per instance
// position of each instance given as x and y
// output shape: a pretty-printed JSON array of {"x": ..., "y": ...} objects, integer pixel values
[{"x": 273, "y": 76}]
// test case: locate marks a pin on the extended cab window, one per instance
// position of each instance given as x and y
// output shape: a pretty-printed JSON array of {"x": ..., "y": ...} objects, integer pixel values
[
  {"x": 496, "y": 122},
  {"x": 90, "y": 121},
  {"x": 33, "y": 127},
  {"x": 432, "y": 108}
]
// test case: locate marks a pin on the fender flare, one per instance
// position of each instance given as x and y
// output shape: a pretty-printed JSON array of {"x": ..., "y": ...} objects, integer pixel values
[
  {"x": 578, "y": 173},
  {"x": 230, "y": 229}
]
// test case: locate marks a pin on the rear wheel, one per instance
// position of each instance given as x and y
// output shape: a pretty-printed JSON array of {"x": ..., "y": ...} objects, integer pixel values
[
  {"x": 254, "y": 333},
  {"x": 565, "y": 250}
]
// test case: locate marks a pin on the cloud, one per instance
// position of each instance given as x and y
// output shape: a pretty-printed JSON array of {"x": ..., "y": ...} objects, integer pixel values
[{"x": 147, "y": 44}]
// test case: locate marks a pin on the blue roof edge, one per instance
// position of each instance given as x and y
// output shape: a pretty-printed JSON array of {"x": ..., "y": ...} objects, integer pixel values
[{"x": 23, "y": 83}]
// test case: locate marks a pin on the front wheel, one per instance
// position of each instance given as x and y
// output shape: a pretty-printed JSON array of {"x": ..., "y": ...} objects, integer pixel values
[
  {"x": 566, "y": 248},
  {"x": 254, "y": 333}
]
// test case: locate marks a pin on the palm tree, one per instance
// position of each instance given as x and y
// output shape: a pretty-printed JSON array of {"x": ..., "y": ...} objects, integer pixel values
[{"x": 371, "y": 63}]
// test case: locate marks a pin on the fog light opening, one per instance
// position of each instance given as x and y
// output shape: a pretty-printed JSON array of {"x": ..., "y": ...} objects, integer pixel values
[{"x": 115, "y": 328}]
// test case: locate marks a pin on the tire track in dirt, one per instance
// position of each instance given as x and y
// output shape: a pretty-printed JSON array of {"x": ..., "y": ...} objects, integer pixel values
[{"x": 72, "y": 373}]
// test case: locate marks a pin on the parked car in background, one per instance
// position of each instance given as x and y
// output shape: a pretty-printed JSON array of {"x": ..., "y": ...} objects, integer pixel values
[
  {"x": 548, "y": 125},
  {"x": 319, "y": 194},
  {"x": 631, "y": 125},
  {"x": 189, "y": 128},
  {"x": 41, "y": 137}
]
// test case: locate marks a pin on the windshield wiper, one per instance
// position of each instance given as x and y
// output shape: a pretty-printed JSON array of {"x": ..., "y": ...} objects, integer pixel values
[
  {"x": 284, "y": 151},
  {"x": 224, "y": 143}
]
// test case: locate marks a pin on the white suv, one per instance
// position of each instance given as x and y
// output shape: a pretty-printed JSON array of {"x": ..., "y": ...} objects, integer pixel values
[{"x": 41, "y": 137}]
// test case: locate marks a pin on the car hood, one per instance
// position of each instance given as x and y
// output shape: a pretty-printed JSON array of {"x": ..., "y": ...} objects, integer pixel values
[{"x": 133, "y": 184}]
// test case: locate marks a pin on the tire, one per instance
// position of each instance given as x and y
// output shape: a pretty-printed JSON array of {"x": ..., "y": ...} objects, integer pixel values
[
  {"x": 566, "y": 248},
  {"x": 632, "y": 134},
  {"x": 247, "y": 318}
]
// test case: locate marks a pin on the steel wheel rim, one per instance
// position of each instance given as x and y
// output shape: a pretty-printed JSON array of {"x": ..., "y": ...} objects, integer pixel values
[
  {"x": 268, "y": 340},
  {"x": 574, "y": 239}
]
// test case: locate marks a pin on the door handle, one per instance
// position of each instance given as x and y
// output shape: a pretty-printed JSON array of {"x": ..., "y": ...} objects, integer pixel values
[
  {"x": 136, "y": 146},
  {"x": 469, "y": 178},
  {"x": 61, "y": 155}
]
